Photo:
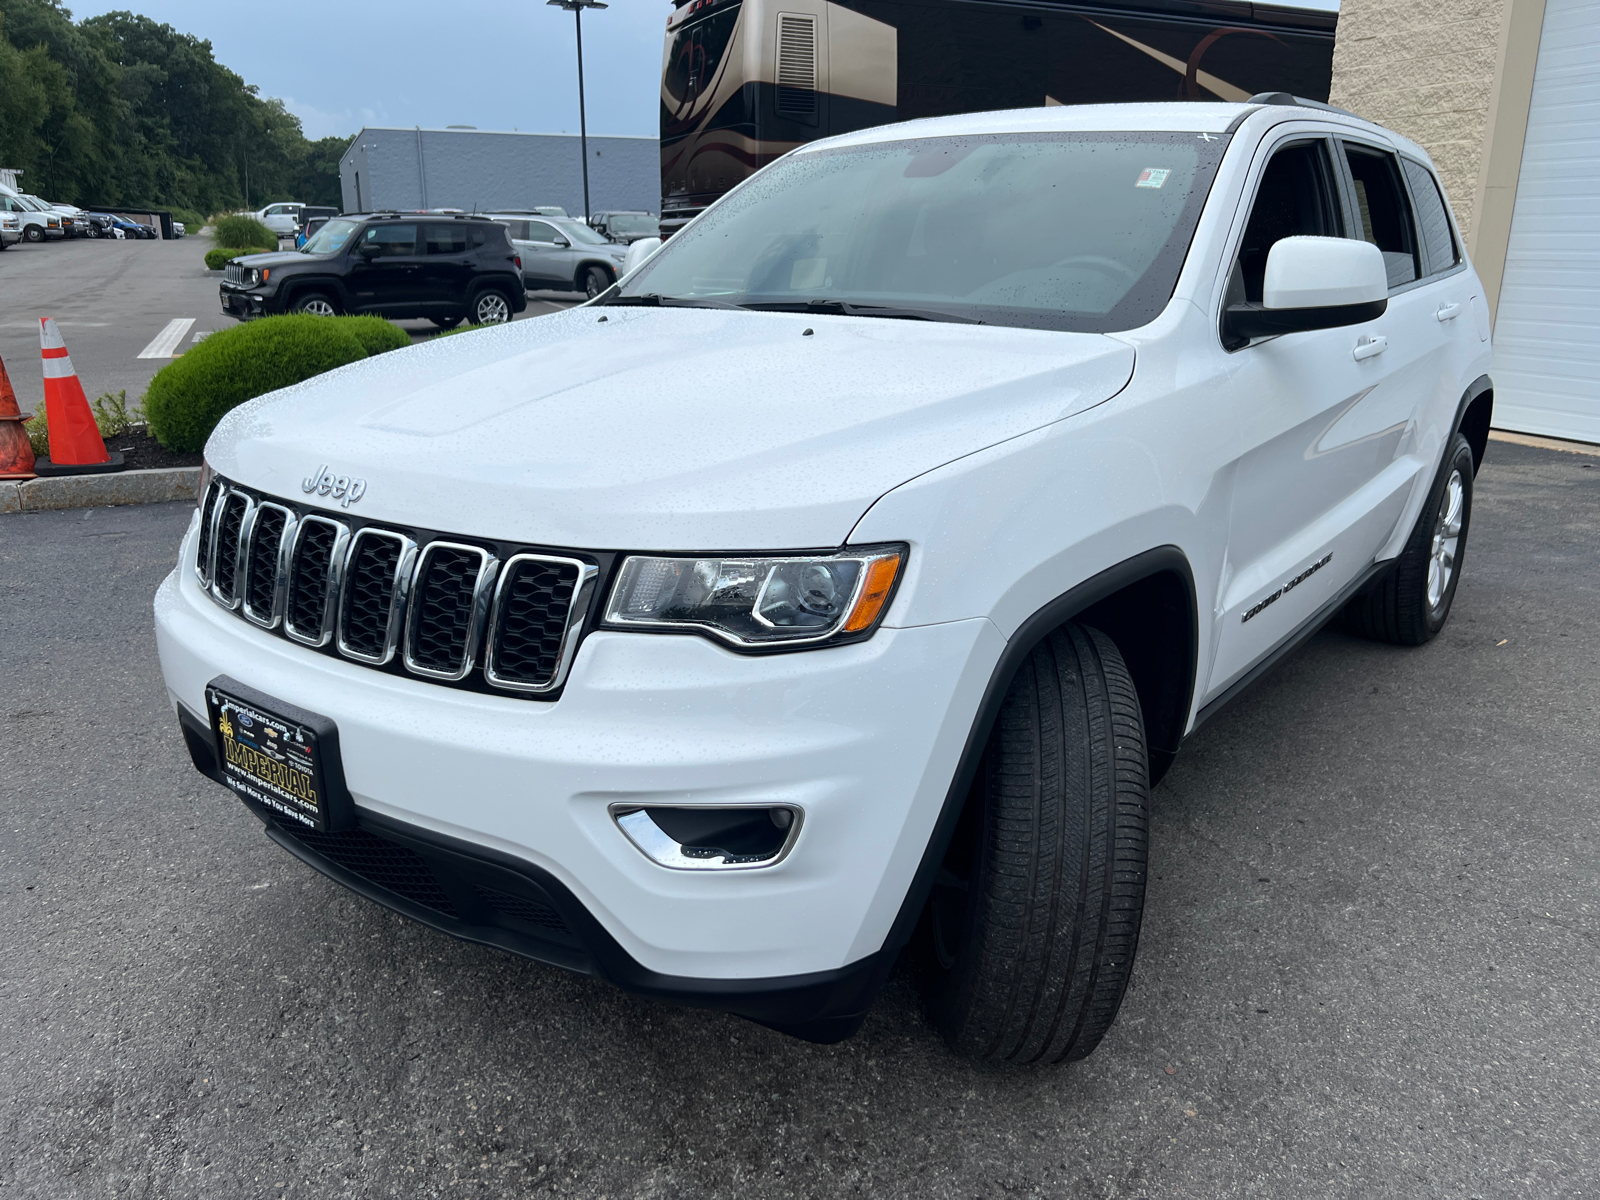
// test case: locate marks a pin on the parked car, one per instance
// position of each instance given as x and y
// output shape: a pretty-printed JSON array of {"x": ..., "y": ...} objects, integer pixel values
[
  {"x": 445, "y": 268},
  {"x": 102, "y": 225},
  {"x": 179, "y": 230},
  {"x": 626, "y": 227},
  {"x": 563, "y": 254},
  {"x": 312, "y": 218},
  {"x": 71, "y": 223},
  {"x": 309, "y": 231},
  {"x": 283, "y": 219},
  {"x": 856, "y": 567},
  {"x": 132, "y": 229},
  {"x": 39, "y": 222},
  {"x": 10, "y": 229}
]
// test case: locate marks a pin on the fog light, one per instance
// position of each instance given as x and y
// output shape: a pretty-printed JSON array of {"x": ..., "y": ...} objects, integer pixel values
[{"x": 711, "y": 839}]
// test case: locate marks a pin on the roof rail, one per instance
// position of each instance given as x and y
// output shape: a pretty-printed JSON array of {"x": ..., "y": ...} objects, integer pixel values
[{"x": 1284, "y": 98}]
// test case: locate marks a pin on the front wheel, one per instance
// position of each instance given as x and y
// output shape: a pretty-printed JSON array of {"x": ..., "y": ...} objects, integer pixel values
[
  {"x": 34, "y": 234},
  {"x": 490, "y": 308},
  {"x": 314, "y": 304},
  {"x": 1412, "y": 602},
  {"x": 1033, "y": 923},
  {"x": 595, "y": 281}
]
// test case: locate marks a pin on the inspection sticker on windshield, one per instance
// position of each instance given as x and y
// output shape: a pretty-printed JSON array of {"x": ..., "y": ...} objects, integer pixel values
[{"x": 1152, "y": 177}]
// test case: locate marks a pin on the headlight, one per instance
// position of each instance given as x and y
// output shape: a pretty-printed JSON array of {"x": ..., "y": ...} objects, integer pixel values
[{"x": 771, "y": 602}]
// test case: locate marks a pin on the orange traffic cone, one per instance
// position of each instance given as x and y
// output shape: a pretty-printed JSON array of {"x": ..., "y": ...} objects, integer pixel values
[
  {"x": 75, "y": 444},
  {"x": 16, "y": 455}
]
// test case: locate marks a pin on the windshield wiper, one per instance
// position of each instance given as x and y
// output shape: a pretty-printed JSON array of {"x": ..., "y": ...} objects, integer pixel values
[
  {"x": 655, "y": 300},
  {"x": 844, "y": 308}
]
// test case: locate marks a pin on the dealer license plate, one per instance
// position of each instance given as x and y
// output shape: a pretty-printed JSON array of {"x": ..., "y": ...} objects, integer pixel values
[{"x": 278, "y": 757}]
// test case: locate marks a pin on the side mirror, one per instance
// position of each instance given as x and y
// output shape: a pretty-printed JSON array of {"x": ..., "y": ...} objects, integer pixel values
[
  {"x": 1313, "y": 283},
  {"x": 638, "y": 252},
  {"x": 561, "y": 243},
  {"x": 369, "y": 250}
]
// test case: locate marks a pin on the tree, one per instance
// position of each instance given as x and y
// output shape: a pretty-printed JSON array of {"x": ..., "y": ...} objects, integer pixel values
[{"x": 121, "y": 109}]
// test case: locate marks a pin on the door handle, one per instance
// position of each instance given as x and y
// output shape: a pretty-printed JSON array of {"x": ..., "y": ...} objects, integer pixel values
[
  {"x": 1370, "y": 347},
  {"x": 1448, "y": 312}
]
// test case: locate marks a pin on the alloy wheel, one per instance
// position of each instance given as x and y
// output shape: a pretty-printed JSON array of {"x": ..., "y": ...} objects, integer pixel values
[
  {"x": 1446, "y": 541},
  {"x": 317, "y": 307},
  {"x": 491, "y": 309}
]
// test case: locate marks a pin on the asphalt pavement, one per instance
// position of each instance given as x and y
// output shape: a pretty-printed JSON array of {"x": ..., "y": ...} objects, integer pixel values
[
  {"x": 1370, "y": 964},
  {"x": 117, "y": 300}
]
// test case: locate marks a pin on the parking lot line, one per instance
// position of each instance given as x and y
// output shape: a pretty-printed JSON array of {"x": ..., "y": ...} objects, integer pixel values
[{"x": 165, "y": 343}]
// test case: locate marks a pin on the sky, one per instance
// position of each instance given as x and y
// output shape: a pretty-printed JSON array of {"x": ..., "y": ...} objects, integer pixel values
[{"x": 403, "y": 62}]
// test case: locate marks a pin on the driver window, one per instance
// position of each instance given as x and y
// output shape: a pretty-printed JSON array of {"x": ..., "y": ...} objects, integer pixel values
[
  {"x": 392, "y": 240},
  {"x": 538, "y": 231},
  {"x": 1295, "y": 198}
]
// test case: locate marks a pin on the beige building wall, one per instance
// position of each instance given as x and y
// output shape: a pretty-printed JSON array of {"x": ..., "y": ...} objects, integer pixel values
[{"x": 1456, "y": 77}]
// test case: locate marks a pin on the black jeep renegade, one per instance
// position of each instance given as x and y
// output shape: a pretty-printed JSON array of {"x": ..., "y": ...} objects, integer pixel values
[{"x": 446, "y": 267}]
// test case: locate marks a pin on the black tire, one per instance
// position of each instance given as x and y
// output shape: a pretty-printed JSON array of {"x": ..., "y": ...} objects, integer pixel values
[
  {"x": 316, "y": 304},
  {"x": 489, "y": 307},
  {"x": 33, "y": 233},
  {"x": 446, "y": 322},
  {"x": 595, "y": 280},
  {"x": 1031, "y": 932},
  {"x": 1410, "y": 604}
]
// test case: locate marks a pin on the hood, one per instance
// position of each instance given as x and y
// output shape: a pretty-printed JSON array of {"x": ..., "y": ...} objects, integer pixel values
[
  {"x": 272, "y": 258},
  {"x": 663, "y": 429}
]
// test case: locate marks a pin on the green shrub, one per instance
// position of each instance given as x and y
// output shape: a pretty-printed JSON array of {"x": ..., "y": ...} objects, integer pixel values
[
  {"x": 375, "y": 334},
  {"x": 191, "y": 394},
  {"x": 239, "y": 230},
  {"x": 219, "y": 257}
]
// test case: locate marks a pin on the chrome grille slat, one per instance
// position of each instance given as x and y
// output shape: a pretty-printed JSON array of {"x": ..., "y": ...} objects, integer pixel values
[
  {"x": 372, "y": 602},
  {"x": 316, "y": 568},
  {"x": 440, "y": 610},
  {"x": 271, "y": 534},
  {"x": 208, "y": 523},
  {"x": 533, "y": 630},
  {"x": 449, "y": 606},
  {"x": 233, "y": 516}
]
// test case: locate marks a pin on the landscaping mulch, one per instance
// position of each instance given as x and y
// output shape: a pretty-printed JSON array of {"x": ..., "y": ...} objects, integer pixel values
[{"x": 142, "y": 452}]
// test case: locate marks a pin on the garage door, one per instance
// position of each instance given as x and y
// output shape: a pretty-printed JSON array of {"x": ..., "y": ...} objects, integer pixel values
[{"x": 1547, "y": 328}]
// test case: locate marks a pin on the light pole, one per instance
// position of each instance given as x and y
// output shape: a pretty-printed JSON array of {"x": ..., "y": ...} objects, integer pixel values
[{"x": 576, "y": 7}]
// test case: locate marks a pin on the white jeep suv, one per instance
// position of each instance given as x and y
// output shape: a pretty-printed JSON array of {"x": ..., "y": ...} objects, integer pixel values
[{"x": 846, "y": 576}]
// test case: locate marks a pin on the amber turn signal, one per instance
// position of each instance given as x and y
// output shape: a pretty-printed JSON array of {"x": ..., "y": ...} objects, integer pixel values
[{"x": 881, "y": 573}]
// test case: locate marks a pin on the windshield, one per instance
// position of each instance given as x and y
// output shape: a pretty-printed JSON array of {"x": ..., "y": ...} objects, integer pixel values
[
  {"x": 1055, "y": 231},
  {"x": 581, "y": 234},
  {"x": 332, "y": 237},
  {"x": 634, "y": 223}
]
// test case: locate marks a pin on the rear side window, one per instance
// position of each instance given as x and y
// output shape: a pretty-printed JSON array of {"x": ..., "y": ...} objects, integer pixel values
[
  {"x": 445, "y": 239},
  {"x": 1385, "y": 213},
  {"x": 1295, "y": 199},
  {"x": 1438, "y": 239}
]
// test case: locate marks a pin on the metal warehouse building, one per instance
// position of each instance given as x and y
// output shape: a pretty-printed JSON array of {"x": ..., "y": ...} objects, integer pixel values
[{"x": 411, "y": 169}]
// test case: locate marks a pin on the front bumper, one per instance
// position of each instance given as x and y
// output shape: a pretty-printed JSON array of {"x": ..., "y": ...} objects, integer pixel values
[
  {"x": 242, "y": 302},
  {"x": 863, "y": 738}
]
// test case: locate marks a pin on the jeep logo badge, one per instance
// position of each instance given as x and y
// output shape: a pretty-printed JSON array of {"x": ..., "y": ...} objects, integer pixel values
[{"x": 340, "y": 487}]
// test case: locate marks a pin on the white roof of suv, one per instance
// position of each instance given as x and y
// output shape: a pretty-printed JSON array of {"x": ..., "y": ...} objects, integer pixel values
[{"x": 1173, "y": 116}]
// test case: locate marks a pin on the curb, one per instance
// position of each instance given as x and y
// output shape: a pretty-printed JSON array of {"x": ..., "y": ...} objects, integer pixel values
[{"x": 100, "y": 491}]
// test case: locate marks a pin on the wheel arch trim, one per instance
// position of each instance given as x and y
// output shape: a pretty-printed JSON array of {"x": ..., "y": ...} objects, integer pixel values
[{"x": 1162, "y": 560}]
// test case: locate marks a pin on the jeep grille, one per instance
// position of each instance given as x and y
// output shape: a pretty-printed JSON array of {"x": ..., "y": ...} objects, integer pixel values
[{"x": 402, "y": 600}]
